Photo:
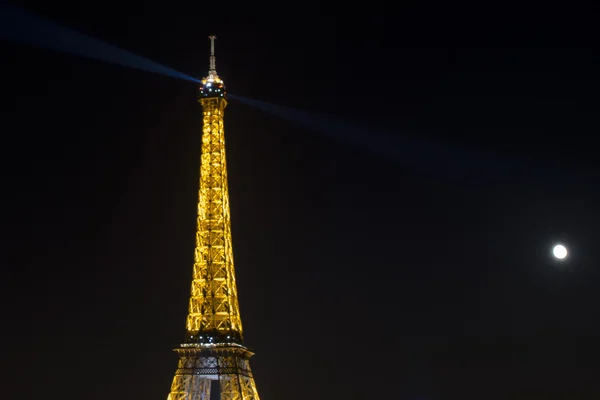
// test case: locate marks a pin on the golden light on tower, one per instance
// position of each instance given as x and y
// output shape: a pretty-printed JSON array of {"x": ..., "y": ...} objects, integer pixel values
[{"x": 213, "y": 356}]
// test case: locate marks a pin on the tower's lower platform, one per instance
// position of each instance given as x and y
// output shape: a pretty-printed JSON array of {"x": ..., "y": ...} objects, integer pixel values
[{"x": 204, "y": 368}]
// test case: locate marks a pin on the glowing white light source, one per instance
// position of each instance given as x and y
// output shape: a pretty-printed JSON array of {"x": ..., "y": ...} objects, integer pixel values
[{"x": 559, "y": 251}]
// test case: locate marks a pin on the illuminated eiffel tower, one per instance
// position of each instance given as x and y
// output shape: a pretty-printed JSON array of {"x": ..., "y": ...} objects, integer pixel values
[{"x": 213, "y": 362}]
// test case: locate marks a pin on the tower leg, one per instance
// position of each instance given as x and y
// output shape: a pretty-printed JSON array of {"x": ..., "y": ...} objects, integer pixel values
[
  {"x": 248, "y": 388},
  {"x": 238, "y": 387},
  {"x": 190, "y": 387}
]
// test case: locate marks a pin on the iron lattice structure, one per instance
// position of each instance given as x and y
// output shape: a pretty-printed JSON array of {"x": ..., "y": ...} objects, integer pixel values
[{"x": 213, "y": 356}]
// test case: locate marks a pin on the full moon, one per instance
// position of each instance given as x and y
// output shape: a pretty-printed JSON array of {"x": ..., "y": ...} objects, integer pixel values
[{"x": 559, "y": 251}]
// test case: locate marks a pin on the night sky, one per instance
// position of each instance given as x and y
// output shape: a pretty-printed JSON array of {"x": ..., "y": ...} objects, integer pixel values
[{"x": 360, "y": 276}]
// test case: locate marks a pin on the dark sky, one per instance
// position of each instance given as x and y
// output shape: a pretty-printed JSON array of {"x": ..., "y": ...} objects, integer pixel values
[{"x": 360, "y": 277}]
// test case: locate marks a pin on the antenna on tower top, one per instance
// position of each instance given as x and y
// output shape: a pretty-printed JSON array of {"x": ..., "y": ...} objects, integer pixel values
[
  {"x": 213, "y": 60},
  {"x": 212, "y": 85}
]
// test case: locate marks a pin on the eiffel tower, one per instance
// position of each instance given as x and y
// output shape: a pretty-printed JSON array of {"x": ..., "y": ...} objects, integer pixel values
[{"x": 213, "y": 361}]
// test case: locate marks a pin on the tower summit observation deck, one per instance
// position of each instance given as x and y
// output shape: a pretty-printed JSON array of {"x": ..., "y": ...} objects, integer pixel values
[{"x": 213, "y": 361}]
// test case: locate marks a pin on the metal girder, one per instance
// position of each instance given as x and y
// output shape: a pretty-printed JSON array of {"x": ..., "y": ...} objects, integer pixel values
[{"x": 213, "y": 303}]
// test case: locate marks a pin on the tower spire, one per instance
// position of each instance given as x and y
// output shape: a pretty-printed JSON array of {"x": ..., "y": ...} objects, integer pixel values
[
  {"x": 213, "y": 60},
  {"x": 212, "y": 85}
]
